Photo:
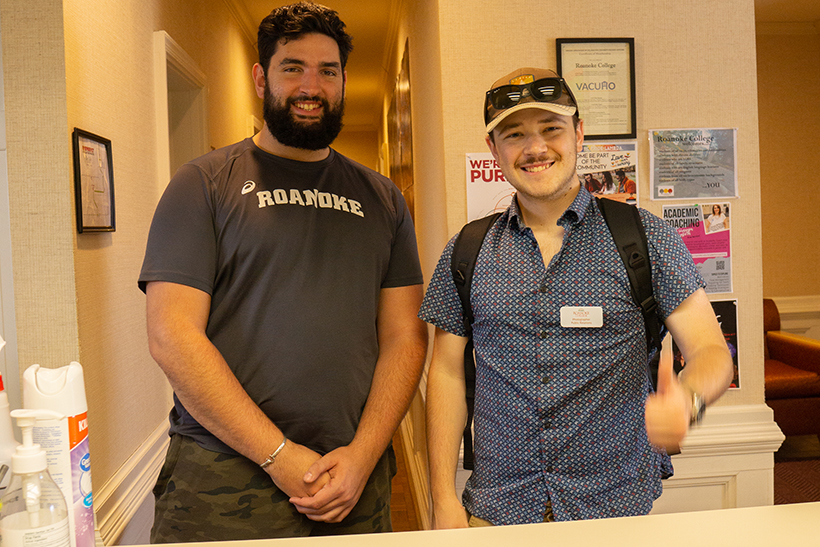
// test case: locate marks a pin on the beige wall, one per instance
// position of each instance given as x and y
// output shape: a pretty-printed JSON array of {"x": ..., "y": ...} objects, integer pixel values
[
  {"x": 39, "y": 174},
  {"x": 88, "y": 64},
  {"x": 686, "y": 76},
  {"x": 788, "y": 62}
]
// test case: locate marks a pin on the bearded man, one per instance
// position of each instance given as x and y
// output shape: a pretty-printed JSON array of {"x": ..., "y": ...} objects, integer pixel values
[{"x": 282, "y": 282}]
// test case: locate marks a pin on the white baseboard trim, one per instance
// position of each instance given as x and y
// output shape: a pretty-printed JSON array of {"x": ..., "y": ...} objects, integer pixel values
[{"x": 120, "y": 498}]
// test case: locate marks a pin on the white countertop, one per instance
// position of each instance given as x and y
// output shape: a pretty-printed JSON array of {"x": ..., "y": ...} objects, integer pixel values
[{"x": 771, "y": 526}]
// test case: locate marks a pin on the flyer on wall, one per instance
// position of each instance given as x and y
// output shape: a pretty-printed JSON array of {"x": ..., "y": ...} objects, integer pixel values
[
  {"x": 705, "y": 230},
  {"x": 487, "y": 189},
  {"x": 608, "y": 169},
  {"x": 693, "y": 163},
  {"x": 726, "y": 313}
]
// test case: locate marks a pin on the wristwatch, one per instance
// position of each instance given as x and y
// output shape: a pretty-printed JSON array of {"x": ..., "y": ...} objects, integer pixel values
[{"x": 698, "y": 408}]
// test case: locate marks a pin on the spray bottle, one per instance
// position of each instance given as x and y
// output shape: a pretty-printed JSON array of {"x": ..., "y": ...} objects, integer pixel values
[
  {"x": 34, "y": 512},
  {"x": 65, "y": 441}
]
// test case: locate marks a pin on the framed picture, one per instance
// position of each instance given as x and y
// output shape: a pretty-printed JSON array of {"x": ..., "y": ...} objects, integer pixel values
[
  {"x": 93, "y": 182},
  {"x": 601, "y": 74}
]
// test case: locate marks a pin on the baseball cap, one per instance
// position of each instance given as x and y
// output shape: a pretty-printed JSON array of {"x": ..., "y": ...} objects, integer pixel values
[{"x": 527, "y": 88}]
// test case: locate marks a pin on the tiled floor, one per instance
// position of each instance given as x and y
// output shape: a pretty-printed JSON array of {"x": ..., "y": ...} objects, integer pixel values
[{"x": 403, "y": 507}]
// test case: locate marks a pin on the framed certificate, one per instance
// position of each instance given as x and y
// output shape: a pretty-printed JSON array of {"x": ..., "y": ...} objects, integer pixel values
[
  {"x": 601, "y": 74},
  {"x": 93, "y": 182}
]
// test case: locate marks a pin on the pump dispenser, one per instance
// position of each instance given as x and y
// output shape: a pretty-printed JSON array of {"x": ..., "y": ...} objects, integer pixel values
[
  {"x": 34, "y": 511},
  {"x": 7, "y": 441}
]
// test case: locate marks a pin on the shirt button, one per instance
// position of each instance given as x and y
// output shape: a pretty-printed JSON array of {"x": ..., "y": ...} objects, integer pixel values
[
  {"x": 545, "y": 379},
  {"x": 549, "y": 469},
  {"x": 542, "y": 288}
]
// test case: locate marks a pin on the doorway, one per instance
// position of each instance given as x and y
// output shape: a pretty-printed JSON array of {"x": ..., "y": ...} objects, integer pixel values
[{"x": 181, "y": 107}]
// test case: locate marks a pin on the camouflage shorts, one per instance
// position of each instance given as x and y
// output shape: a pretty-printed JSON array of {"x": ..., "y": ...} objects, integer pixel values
[{"x": 208, "y": 496}]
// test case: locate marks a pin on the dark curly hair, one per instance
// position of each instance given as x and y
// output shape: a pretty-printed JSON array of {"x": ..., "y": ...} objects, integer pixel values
[{"x": 292, "y": 21}]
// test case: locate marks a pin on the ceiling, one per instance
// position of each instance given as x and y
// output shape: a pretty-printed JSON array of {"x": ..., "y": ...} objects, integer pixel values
[{"x": 373, "y": 22}]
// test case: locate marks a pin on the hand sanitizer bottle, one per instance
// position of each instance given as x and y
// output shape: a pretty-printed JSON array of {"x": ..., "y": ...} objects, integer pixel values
[{"x": 34, "y": 512}]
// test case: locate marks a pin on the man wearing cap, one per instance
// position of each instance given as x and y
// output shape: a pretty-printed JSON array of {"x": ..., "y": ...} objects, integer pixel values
[{"x": 565, "y": 425}]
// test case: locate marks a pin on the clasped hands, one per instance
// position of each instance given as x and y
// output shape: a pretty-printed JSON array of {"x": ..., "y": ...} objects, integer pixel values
[{"x": 323, "y": 488}]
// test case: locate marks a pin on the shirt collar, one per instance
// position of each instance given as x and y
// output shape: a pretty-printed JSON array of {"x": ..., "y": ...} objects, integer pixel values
[
  {"x": 573, "y": 215},
  {"x": 578, "y": 208}
]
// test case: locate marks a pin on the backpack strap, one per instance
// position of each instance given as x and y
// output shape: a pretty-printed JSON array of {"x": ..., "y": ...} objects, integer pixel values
[
  {"x": 624, "y": 222},
  {"x": 465, "y": 253}
]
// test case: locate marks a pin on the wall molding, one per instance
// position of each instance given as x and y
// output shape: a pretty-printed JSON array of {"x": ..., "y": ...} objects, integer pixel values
[
  {"x": 799, "y": 314},
  {"x": 120, "y": 498},
  {"x": 726, "y": 462}
]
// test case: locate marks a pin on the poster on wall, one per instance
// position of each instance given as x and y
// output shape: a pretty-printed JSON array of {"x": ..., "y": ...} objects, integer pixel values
[
  {"x": 608, "y": 169},
  {"x": 705, "y": 230},
  {"x": 693, "y": 163},
  {"x": 726, "y": 313},
  {"x": 487, "y": 189}
]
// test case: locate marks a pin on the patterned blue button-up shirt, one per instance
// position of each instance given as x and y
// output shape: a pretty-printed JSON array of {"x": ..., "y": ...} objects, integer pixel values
[{"x": 559, "y": 412}]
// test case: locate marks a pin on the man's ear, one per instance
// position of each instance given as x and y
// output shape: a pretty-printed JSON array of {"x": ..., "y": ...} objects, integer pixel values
[
  {"x": 259, "y": 80},
  {"x": 491, "y": 145},
  {"x": 579, "y": 136}
]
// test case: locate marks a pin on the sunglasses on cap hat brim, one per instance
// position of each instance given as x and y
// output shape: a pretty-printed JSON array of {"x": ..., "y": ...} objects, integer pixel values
[{"x": 552, "y": 92}]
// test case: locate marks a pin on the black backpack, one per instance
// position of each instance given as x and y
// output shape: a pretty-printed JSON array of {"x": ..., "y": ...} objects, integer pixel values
[{"x": 627, "y": 231}]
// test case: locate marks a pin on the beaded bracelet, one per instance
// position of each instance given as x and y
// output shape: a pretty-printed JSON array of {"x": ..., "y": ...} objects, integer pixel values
[{"x": 275, "y": 453}]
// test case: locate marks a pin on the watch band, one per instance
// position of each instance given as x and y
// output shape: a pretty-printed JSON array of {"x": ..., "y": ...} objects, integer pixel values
[{"x": 698, "y": 408}]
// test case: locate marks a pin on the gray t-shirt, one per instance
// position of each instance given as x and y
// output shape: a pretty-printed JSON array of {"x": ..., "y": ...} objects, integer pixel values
[{"x": 294, "y": 255}]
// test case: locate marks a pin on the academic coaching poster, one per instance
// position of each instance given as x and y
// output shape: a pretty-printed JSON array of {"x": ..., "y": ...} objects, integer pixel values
[{"x": 705, "y": 230}]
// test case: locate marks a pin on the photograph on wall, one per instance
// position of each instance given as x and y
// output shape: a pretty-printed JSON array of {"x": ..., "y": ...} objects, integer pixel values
[
  {"x": 93, "y": 182},
  {"x": 726, "y": 313},
  {"x": 693, "y": 163},
  {"x": 609, "y": 170},
  {"x": 705, "y": 231}
]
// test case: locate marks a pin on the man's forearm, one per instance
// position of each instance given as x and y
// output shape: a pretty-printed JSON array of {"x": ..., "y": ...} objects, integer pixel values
[
  {"x": 709, "y": 372},
  {"x": 446, "y": 413},
  {"x": 446, "y": 419}
]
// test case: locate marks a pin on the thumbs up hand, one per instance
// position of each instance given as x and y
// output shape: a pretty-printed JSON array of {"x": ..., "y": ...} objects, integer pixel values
[{"x": 668, "y": 410}]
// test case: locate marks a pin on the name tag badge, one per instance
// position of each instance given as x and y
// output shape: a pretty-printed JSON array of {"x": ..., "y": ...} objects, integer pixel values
[{"x": 582, "y": 317}]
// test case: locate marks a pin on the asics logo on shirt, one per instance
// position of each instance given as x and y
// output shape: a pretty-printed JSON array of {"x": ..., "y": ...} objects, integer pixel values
[
  {"x": 249, "y": 186},
  {"x": 305, "y": 198}
]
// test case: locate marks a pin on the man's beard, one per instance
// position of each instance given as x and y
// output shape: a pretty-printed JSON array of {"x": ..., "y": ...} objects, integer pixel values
[{"x": 307, "y": 136}]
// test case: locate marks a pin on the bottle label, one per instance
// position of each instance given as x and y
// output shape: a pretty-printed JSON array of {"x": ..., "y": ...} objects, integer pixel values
[
  {"x": 66, "y": 444},
  {"x": 53, "y": 535}
]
